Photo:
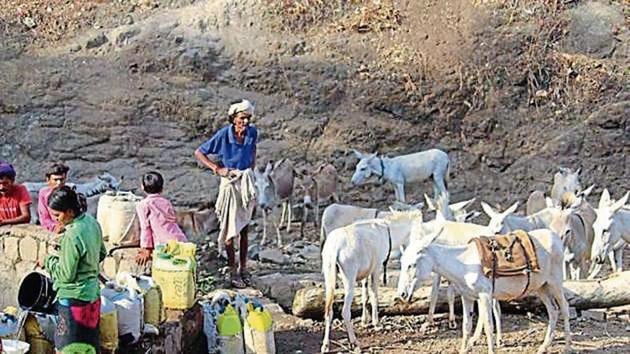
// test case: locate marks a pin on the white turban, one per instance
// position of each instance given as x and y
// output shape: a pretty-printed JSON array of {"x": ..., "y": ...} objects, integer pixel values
[{"x": 243, "y": 106}]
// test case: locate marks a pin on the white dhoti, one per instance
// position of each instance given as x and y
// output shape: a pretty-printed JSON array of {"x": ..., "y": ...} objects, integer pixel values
[{"x": 235, "y": 204}]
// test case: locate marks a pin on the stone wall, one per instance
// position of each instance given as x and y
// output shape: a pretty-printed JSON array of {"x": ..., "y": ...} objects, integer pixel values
[{"x": 21, "y": 246}]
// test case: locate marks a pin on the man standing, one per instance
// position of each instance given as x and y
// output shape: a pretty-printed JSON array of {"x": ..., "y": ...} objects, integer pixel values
[
  {"x": 55, "y": 177},
  {"x": 235, "y": 145},
  {"x": 14, "y": 198}
]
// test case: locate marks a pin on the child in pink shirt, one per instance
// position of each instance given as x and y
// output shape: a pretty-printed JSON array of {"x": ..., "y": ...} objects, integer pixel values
[
  {"x": 55, "y": 177},
  {"x": 157, "y": 218}
]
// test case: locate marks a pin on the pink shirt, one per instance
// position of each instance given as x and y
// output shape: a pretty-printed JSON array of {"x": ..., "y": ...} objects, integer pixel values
[
  {"x": 158, "y": 223},
  {"x": 45, "y": 219}
]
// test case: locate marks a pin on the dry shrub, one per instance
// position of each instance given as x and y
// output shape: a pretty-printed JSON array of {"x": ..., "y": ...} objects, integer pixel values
[
  {"x": 342, "y": 15},
  {"x": 549, "y": 75},
  {"x": 302, "y": 14},
  {"x": 371, "y": 17}
]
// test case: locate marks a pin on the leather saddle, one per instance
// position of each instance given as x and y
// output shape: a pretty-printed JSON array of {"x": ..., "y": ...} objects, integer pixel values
[{"x": 507, "y": 255}]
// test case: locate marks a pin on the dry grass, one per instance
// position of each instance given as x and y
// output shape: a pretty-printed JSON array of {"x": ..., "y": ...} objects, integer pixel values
[{"x": 341, "y": 15}]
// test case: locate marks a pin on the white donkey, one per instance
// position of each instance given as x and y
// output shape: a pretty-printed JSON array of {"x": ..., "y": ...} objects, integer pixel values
[
  {"x": 461, "y": 265},
  {"x": 612, "y": 233},
  {"x": 565, "y": 180},
  {"x": 456, "y": 234},
  {"x": 275, "y": 187},
  {"x": 360, "y": 251},
  {"x": 339, "y": 215},
  {"x": 404, "y": 169},
  {"x": 506, "y": 223},
  {"x": 91, "y": 190}
]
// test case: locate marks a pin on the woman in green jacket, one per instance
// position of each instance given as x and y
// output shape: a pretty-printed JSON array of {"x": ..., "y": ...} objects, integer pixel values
[{"x": 75, "y": 274}]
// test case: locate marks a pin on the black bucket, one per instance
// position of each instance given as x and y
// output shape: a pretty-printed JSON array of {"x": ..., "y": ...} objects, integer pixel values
[{"x": 36, "y": 293}]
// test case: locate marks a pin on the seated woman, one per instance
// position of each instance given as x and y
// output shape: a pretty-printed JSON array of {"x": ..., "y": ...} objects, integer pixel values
[{"x": 75, "y": 274}]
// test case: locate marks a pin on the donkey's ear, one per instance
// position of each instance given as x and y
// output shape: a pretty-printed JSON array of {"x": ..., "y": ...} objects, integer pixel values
[
  {"x": 604, "y": 200},
  {"x": 471, "y": 215},
  {"x": 461, "y": 205},
  {"x": 439, "y": 218},
  {"x": 510, "y": 210},
  {"x": 577, "y": 172},
  {"x": 488, "y": 209},
  {"x": 372, "y": 155},
  {"x": 585, "y": 193},
  {"x": 618, "y": 204},
  {"x": 426, "y": 241},
  {"x": 430, "y": 203},
  {"x": 268, "y": 168},
  {"x": 549, "y": 202},
  {"x": 358, "y": 154},
  {"x": 418, "y": 206}
]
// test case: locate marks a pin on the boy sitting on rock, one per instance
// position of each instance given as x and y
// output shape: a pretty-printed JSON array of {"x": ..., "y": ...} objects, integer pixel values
[{"x": 157, "y": 218}]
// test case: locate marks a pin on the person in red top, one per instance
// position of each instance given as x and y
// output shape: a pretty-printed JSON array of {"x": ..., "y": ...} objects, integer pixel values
[{"x": 14, "y": 198}]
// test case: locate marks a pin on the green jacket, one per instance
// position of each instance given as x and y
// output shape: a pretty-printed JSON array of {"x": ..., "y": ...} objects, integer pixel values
[{"x": 75, "y": 270}]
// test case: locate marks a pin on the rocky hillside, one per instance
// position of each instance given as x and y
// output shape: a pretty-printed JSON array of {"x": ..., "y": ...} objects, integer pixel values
[{"x": 510, "y": 91}]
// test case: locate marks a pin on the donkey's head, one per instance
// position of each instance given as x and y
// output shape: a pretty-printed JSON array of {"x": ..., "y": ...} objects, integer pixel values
[
  {"x": 496, "y": 218},
  {"x": 415, "y": 266},
  {"x": 368, "y": 163},
  {"x": 458, "y": 210},
  {"x": 265, "y": 187},
  {"x": 308, "y": 188},
  {"x": 565, "y": 180},
  {"x": 110, "y": 181},
  {"x": 602, "y": 242}
]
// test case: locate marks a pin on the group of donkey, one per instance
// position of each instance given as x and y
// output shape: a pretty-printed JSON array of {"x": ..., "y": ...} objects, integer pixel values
[{"x": 570, "y": 238}]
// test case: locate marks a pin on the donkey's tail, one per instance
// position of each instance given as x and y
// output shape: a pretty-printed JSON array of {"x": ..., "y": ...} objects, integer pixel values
[
  {"x": 329, "y": 269},
  {"x": 322, "y": 236}
]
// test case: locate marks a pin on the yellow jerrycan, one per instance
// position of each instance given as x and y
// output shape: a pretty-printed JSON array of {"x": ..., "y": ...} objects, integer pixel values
[
  {"x": 230, "y": 332},
  {"x": 175, "y": 275},
  {"x": 258, "y": 331}
]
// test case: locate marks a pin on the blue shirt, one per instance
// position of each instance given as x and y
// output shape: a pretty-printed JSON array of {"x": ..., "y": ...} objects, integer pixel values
[{"x": 231, "y": 153}]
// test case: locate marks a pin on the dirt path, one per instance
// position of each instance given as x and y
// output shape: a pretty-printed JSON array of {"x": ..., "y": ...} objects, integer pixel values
[{"x": 521, "y": 335}]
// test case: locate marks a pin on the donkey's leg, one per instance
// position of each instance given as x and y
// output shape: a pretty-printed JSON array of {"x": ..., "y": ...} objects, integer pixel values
[
  {"x": 450, "y": 295},
  {"x": 496, "y": 311},
  {"x": 545, "y": 296},
  {"x": 558, "y": 294},
  {"x": 316, "y": 216},
  {"x": 262, "y": 242},
  {"x": 467, "y": 312},
  {"x": 439, "y": 187},
  {"x": 478, "y": 332},
  {"x": 290, "y": 216},
  {"x": 575, "y": 270},
  {"x": 328, "y": 318},
  {"x": 613, "y": 260},
  {"x": 304, "y": 219},
  {"x": 399, "y": 189},
  {"x": 374, "y": 298},
  {"x": 348, "y": 286},
  {"x": 276, "y": 224},
  {"x": 485, "y": 315},
  {"x": 284, "y": 211},
  {"x": 364, "y": 301},
  {"x": 619, "y": 258},
  {"x": 435, "y": 286}
]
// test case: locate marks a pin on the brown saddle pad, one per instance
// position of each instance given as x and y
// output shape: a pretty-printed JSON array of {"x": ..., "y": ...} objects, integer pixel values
[{"x": 514, "y": 254}]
